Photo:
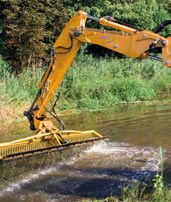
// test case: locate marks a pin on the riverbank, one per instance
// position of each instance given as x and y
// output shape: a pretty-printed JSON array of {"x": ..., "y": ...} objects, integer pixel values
[{"x": 14, "y": 113}]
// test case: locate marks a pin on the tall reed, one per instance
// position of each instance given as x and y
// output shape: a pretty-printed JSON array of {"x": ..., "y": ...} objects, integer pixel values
[{"x": 91, "y": 82}]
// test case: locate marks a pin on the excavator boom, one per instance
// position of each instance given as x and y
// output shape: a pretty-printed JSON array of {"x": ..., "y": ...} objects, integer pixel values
[{"x": 118, "y": 37}]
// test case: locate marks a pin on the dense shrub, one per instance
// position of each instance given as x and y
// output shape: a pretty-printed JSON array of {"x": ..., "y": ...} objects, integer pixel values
[{"x": 26, "y": 40}]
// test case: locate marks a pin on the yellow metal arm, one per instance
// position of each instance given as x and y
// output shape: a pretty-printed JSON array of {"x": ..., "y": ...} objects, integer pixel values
[
  {"x": 123, "y": 39},
  {"x": 66, "y": 47}
]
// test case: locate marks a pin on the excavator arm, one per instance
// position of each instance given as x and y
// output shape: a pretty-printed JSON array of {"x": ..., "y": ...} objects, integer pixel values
[
  {"x": 123, "y": 39},
  {"x": 65, "y": 48},
  {"x": 118, "y": 37}
]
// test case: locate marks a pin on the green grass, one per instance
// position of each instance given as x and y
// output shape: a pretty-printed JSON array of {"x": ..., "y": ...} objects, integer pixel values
[
  {"x": 155, "y": 191},
  {"x": 141, "y": 192},
  {"x": 91, "y": 83}
]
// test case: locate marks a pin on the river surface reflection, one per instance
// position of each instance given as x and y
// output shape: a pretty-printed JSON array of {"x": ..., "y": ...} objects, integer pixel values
[{"x": 135, "y": 133}]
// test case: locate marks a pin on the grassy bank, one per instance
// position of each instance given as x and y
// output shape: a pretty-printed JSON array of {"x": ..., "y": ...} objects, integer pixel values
[
  {"x": 155, "y": 191},
  {"x": 90, "y": 83}
]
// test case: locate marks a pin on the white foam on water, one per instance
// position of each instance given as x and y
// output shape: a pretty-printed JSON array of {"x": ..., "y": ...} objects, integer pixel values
[
  {"x": 121, "y": 151},
  {"x": 106, "y": 148},
  {"x": 31, "y": 177}
]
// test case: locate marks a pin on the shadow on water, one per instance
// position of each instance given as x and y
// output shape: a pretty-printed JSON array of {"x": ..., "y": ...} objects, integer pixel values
[
  {"x": 92, "y": 187},
  {"x": 98, "y": 188},
  {"x": 110, "y": 182}
]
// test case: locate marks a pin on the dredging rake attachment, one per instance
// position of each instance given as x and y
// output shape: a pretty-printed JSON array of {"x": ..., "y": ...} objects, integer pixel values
[{"x": 44, "y": 143}]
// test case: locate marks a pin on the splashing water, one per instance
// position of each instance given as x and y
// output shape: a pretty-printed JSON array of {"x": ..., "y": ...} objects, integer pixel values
[{"x": 105, "y": 164}]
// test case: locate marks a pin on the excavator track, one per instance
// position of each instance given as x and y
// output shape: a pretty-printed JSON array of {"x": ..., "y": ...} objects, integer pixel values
[{"x": 44, "y": 143}]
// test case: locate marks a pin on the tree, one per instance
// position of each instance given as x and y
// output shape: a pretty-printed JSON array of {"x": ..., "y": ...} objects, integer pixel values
[
  {"x": 140, "y": 13},
  {"x": 28, "y": 27}
]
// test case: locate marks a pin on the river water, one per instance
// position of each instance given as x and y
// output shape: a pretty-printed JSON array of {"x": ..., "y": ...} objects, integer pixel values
[{"x": 98, "y": 170}]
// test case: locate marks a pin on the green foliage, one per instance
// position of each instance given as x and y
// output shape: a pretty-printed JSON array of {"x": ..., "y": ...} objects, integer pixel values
[
  {"x": 152, "y": 12},
  {"x": 158, "y": 181},
  {"x": 156, "y": 192},
  {"x": 4, "y": 68},
  {"x": 133, "y": 89},
  {"x": 91, "y": 83},
  {"x": 158, "y": 184},
  {"x": 144, "y": 192},
  {"x": 28, "y": 28},
  {"x": 103, "y": 83},
  {"x": 18, "y": 88}
]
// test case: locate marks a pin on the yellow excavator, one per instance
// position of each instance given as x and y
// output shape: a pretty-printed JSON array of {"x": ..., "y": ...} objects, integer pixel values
[{"x": 119, "y": 37}]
